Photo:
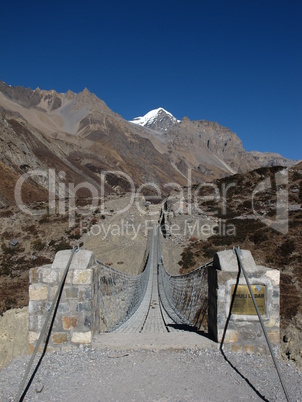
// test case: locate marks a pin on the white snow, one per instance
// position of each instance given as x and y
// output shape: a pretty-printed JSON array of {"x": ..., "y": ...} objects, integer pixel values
[{"x": 151, "y": 116}]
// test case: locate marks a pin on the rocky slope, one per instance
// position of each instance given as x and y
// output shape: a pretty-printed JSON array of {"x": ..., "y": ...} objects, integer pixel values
[{"x": 79, "y": 135}]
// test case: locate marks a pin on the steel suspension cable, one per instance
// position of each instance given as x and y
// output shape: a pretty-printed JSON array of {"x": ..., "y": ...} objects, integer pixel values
[{"x": 241, "y": 268}]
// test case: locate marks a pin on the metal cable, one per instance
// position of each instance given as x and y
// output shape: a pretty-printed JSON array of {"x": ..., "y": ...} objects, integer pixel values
[{"x": 241, "y": 268}]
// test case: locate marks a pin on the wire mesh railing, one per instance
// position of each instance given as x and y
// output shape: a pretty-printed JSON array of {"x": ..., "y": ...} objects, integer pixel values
[
  {"x": 184, "y": 297},
  {"x": 121, "y": 293}
]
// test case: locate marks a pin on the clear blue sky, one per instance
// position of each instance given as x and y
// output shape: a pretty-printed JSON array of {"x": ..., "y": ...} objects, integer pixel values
[{"x": 237, "y": 62}]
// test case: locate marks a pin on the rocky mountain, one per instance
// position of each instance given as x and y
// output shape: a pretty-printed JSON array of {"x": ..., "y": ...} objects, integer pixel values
[
  {"x": 207, "y": 148},
  {"x": 79, "y": 136},
  {"x": 157, "y": 119},
  {"x": 76, "y": 134}
]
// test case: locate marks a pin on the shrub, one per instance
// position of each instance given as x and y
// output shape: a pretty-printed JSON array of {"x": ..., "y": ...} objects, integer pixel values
[
  {"x": 44, "y": 219},
  {"x": 63, "y": 245},
  {"x": 270, "y": 259},
  {"x": 209, "y": 253},
  {"x": 32, "y": 229},
  {"x": 75, "y": 236},
  {"x": 286, "y": 249},
  {"x": 258, "y": 237},
  {"x": 296, "y": 175},
  {"x": 187, "y": 259},
  {"x": 38, "y": 245},
  {"x": 247, "y": 204}
]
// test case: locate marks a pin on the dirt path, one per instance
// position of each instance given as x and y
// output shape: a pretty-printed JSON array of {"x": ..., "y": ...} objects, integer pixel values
[{"x": 166, "y": 375}]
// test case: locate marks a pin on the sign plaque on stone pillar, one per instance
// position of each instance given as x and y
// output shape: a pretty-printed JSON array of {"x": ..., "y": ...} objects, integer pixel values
[
  {"x": 232, "y": 317},
  {"x": 243, "y": 302}
]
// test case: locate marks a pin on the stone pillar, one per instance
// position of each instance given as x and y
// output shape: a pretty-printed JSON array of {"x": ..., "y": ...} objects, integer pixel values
[
  {"x": 77, "y": 317},
  {"x": 244, "y": 332}
]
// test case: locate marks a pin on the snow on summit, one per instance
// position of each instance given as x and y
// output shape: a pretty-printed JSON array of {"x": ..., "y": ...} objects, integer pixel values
[{"x": 157, "y": 119}]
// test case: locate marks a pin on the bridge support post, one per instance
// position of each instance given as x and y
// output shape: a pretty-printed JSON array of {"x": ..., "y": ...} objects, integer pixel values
[
  {"x": 232, "y": 318},
  {"x": 77, "y": 317}
]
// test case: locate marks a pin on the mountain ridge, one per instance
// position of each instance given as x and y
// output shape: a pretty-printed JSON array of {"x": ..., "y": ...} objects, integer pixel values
[
  {"x": 215, "y": 138},
  {"x": 79, "y": 133}
]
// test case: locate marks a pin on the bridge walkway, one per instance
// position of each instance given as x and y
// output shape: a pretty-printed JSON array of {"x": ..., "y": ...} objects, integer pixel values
[
  {"x": 150, "y": 316},
  {"x": 150, "y": 327}
]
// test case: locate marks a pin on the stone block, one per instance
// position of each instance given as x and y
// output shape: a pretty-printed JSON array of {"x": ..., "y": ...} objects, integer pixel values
[
  {"x": 68, "y": 280},
  {"x": 85, "y": 306},
  {"x": 85, "y": 294},
  {"x": 36, "y": 322},
  {"x": 52, "y": 290},
  {"x": 81, "y": 337},
  {"x": 59, "y": 337},
  {"x": 227, "y": 261},
  {"x": 71, "y": 292},
  {"x": 82, "y": 259},
  {"x": 38, "y": 307},
  {"x": 69, "y": 322},
  {"x": 63, "y": 308},
  {"x": 274, "y": 336},
  {"x": 81, "y": 277},
  {"x": 49, "y": 275},
  {"x": 33, "y": 275},
  {"x": 274, "y": 276},
  {"x": 38, "y": 292},
  {"x": 250, "y": 349},
  {"x": 87, "y": 321}
]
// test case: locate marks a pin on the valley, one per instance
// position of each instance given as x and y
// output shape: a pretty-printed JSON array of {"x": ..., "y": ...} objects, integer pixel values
[{"x": 69, "y": 166}]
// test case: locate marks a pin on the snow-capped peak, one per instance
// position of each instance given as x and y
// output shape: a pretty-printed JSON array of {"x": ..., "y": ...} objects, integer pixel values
[{"x": 157, "y": 119}]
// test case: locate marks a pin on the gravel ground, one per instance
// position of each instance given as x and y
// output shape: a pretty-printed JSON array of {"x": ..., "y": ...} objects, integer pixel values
[{"x": 87, "y": 374}]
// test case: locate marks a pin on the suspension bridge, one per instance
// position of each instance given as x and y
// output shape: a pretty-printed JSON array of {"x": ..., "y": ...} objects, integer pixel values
[
  {"x": 155, "y": 308},
  {"x": 106, "y": 308}
]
